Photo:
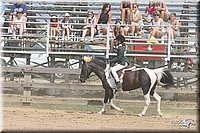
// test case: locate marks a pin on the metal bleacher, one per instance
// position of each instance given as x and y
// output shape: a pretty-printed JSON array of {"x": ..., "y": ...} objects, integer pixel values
[{"x": 39, "y": 14}]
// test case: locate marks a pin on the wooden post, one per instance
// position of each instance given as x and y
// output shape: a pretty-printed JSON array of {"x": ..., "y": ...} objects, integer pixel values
[
  {"x": 66, "y": 66},
  {"x": 52, "y": 64},
  {"x": 12, "y": 64},
  {"x": 27, "y": 89}
]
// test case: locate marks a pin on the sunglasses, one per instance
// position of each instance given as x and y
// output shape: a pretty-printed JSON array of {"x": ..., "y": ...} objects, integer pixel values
[
  {"x": 156, "y": 15},
  {"x": 135, "y": 7}
]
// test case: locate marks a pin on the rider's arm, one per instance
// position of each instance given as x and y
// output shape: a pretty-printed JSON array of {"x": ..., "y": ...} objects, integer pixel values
[
  {"x": 120, "y": 53},
  {"x": 113, "y": 60}
]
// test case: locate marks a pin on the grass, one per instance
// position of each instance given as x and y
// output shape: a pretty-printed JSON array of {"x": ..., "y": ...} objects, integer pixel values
[{"x": 95, "y": 108}]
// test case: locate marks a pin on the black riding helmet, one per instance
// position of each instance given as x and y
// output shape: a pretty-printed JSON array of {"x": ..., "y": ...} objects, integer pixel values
[{"x": 120, "y": 38}]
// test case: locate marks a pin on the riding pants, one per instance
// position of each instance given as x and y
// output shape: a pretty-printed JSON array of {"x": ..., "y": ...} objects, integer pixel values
[{"x": 116, "y": 68}]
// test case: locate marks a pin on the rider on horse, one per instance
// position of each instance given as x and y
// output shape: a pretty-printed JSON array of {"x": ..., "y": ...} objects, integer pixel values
[{"x": 121, "y": 59}]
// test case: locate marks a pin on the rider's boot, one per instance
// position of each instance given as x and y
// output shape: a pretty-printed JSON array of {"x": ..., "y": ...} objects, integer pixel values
[{"x": 119, "y": 86}]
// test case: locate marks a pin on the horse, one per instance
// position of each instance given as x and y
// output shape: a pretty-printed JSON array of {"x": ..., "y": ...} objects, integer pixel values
[{"x": 143, "y": 78}]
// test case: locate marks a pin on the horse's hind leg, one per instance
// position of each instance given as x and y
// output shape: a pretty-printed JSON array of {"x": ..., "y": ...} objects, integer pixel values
[
  {"x": 147, "y": 102},
  {"x": 158, "y": 99}
]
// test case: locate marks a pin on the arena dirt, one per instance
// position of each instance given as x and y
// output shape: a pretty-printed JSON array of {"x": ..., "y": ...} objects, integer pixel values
[{"x": 26, "y": 118}]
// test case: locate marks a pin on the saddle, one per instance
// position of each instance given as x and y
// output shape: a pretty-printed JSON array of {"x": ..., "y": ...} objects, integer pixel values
[{"x": 111, "y": 80}]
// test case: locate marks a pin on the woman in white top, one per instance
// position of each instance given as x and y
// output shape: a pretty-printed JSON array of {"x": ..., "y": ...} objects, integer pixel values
[
  {"x": 19, "y": 23},
  {"x": 89, "y": 28},
  {"x": 157, "y": 26}
]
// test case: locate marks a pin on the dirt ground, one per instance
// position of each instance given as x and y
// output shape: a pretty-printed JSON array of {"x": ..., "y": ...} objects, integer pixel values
[{"x": 29, "y": 118}]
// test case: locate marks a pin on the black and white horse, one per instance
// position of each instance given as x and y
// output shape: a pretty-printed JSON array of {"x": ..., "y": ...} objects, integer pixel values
[{"x": 133, "y": 79}]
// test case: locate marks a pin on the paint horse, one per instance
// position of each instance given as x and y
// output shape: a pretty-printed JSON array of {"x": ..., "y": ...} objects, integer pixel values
[{"x": 143, "y": 78}]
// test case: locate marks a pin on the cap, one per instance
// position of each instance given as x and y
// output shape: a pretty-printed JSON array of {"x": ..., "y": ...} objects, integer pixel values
[
  {"x": 19, "y": 10},
  {"x": 67, "y": 15},
  {"x": 54, "y": 16},
  {"x": 120, "y": 38}
]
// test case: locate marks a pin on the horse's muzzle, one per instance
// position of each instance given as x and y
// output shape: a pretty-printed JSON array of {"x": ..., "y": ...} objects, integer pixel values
[{"x": 82, "y": 80}]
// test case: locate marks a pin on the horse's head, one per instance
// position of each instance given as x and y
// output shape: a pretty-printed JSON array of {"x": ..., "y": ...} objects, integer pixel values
[{"x": 85, "y": 71}]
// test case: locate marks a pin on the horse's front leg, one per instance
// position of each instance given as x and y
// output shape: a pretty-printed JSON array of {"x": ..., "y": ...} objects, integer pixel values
[
  {"x": 106, "y": 97},
  {"x": 102, "y": 109},
  {"x": 115, "y": 107},
  {"x": 112, "y": 104}
]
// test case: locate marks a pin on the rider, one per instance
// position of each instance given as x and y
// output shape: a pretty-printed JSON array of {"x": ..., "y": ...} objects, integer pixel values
[{"x": 121, "y": 59}]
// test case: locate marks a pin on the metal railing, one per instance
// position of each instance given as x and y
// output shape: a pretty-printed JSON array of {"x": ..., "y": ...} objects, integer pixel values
[{"x": 106, "y": 52}]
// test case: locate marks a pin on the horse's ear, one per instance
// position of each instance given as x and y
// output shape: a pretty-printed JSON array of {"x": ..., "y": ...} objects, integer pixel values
[{"x": 83, "y": 60}]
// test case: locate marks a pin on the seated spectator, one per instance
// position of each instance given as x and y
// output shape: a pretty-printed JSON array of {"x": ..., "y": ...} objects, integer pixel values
[
  {"x": 16, "y": 6},
  {"x": 174, "y": 27},
  {"x": 104, "y": 17},
  {"x": 117, "y": 30},
  {"x": 136, "y": 21},
  {"x": 148, "y": 15},
  {"x": 157, "y": 28},
  {"x": 162, "y": 8},
  {"x": 66, "y": 26},
  {"x": 2, "y": 12},
  {"x": 54, "y": 26},
  {"x": 88, "y": 28},
  {"x": 19, "y": 23},
  {"x": 125, "y": 8}
]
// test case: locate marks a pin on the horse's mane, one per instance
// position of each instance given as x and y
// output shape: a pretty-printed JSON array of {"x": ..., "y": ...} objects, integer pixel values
[{"x": 100, "y": 61}]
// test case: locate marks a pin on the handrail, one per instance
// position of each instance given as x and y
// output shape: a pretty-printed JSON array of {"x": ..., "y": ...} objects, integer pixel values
[{"x": 167, "y": 55}]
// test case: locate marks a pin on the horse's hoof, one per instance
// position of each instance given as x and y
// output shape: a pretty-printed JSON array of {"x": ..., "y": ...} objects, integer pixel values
[
  {"x": 101, "y": 112},
  {"x": 160, "y": 114},
  {"x": 121, "y": 110},
  {"x": 140, "y": 115}
]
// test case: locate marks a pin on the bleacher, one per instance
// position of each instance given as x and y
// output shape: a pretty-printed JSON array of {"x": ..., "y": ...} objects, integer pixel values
[{"x": 39, "y": 14}]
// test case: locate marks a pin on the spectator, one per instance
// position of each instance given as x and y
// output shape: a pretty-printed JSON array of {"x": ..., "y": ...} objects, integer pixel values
[
  {"x": 156, "y": 30},
  {"x": 149, "y": 11},
  {"x": 19, "y": 23},
  {"x": 89, "y": 26},
  {"x": 174, "y": 27},
  {"x": 162, "y": 8},
  {"x": 66, "y": 26},
  {"x": 2, "y": 12},
  {"x": 54, "y": 26},
  {"x": 157, "y": 26},
  {"x": 16, "y": 6},
  {"x": 125, "y": 8},
  {"x": 117, "y": 30},
  {"x": 136, "y": 21},
  {"x": 104, "y": 17}
]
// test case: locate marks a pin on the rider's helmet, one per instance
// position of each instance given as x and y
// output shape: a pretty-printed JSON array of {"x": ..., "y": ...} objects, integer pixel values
[{"x": 120, "y": 38}]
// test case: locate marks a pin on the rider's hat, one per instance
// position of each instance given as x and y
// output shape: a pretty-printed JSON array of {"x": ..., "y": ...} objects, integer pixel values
[{"x": 120, "y": 38}]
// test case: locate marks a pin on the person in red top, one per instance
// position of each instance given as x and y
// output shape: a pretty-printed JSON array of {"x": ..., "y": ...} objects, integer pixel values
[
  {"x": 149, "y": 11},
  {"x": 54, "y": 26}
]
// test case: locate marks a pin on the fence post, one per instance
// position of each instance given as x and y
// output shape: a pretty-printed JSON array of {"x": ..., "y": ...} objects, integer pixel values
[
  {"x": 108, "y": 45},
  {"x": 169, "y": 43},
  {"x": 27, "y": 89},
  {"x": 47, "y": 46}
]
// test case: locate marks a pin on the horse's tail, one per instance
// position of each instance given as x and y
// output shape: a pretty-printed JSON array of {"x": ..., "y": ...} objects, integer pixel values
[{"x": 164, "y": 77}]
